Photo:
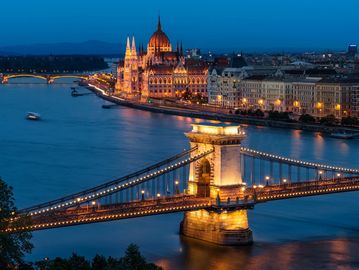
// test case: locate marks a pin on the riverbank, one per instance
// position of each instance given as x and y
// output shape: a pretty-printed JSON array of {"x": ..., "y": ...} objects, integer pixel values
[{"x": 218, "y": 116}]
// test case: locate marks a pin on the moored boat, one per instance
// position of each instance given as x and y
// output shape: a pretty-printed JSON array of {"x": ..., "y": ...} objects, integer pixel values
[{"x": 342, "y": 135}]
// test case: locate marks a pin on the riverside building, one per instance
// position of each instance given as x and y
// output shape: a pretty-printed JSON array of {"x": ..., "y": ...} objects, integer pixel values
[
  {"x": 159, "y": 71},
  {"x": 316, "y": 96}
]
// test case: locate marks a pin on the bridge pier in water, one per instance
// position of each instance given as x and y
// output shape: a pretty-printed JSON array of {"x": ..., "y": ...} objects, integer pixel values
[{"x": 218, "y": 177}]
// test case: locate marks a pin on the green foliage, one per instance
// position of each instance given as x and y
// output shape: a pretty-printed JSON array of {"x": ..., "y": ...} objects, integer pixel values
[
  {"x": 256, "y": 113},
  {"x": 99, "y": 263},
  {"x": 282, "y": 116},
  {"x": 350, "y": 121},
  {"x": 306, "y": 118},
  {"x": 12, "y": 246},
  {"x": 194, "y": 98},
  {"x": 329, "y": 120},
  {"x": 133, "y": 260}
]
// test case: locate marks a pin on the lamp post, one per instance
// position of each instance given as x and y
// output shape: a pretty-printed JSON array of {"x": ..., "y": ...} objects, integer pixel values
[
  {"x": 267, "y": 180},
  {"x": 284, "y": 182},
  {"x": 254, "y": 193},
  {"x": 142, "y": 195},
  {"x": 338, "y": 176},
  {"x": 320, "y": 175},
  {"x": 177, "y": 187}
]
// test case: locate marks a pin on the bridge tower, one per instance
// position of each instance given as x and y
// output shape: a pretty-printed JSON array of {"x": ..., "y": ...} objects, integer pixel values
[{"x": 217, "y": 176}]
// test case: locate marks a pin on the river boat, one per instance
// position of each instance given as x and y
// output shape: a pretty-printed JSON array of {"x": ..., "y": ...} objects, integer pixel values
[
  {"x": 342, "y": 135},
  {"x": 33, "y": 116}
]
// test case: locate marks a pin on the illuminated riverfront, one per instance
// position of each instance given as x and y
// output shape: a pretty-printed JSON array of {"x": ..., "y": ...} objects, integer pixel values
[
  {"x": 162, "y": 147},
  {"x": 81, "y": 173}
]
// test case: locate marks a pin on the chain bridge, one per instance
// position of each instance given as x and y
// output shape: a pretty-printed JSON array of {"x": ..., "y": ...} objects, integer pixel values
[{"x": 214, "y": 183}]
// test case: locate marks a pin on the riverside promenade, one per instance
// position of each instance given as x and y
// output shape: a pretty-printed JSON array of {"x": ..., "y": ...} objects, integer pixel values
[{"x": 206, "y": 115}]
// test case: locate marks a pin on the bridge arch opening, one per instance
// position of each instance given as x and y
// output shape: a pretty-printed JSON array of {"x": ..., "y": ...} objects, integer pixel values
[{"x": 204, "y": 178}]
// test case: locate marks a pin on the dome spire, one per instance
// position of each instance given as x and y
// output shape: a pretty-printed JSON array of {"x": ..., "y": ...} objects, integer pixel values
[{"x": 159, "y": 27}]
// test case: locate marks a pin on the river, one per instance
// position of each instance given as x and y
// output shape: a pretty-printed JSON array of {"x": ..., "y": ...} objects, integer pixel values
[{"x": 78, "y": 145}]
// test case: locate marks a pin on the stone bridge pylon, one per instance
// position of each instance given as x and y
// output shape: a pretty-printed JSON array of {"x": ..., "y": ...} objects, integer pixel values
[{"x": 219, "y": 177}]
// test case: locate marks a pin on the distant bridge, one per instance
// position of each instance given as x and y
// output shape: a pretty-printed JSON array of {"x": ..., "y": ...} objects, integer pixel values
[
  {"x": 49, "y": 78},
  {"x": 193, "y": 182}
]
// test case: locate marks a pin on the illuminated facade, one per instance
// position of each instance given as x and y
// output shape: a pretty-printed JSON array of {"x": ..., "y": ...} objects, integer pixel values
[
  {"x": 217, "y": 176},
  {"x": 160, "y": 71},
  {"x": 316, "y": 96}
]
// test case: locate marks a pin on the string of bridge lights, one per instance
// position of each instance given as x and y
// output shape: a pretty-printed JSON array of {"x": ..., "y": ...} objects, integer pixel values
[
  {"x": 108, "y": 217},
  {"x": 120, "y": 187},
  {"x": 299, "y": 162},
  {"x": 266, "y": 197}
]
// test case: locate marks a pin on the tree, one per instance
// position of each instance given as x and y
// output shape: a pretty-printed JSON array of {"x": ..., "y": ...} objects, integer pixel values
[
  {"x": 133, "y": 258},
  {"x": 78, "y": 263},
  {"x": 99, "y": 263},
  {"x": 350, "y": 121},
  {"x": 328, "y": 120},
  {"x": 259, "y": 113},
  {"x": 12, "y": 246},
  {"x": 306, "y": 118},
  {"x": 275, "y": 115}
]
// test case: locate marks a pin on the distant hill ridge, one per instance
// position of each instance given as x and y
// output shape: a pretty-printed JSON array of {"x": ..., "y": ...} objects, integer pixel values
[{"x": 91, "y": 47}]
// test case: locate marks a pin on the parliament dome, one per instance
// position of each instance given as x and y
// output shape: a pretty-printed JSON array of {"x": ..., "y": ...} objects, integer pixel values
[{"x": 159, "y": 40}]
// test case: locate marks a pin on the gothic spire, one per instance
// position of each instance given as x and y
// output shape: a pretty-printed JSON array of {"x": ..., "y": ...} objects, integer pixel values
[
  {"x": 159, "y": 27},
  {"x": 128, "y": 46},
  {"x": 133, "y": 46}
]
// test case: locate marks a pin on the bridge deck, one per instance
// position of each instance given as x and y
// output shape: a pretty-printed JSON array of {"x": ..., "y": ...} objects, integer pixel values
[
  {"x": 303, "y": 189},
  {"x": 179, "y": 203},
  {"x": 93, "y": 214}
]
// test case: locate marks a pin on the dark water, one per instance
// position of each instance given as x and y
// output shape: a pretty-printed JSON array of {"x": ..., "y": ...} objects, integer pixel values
[{"x": 78, "y": 145}]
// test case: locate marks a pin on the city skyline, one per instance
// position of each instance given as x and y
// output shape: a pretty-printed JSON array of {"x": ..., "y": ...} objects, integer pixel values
[{"x": 257, "y": 26}]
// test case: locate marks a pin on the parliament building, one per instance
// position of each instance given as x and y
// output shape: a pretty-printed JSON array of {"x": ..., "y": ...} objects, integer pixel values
[{"x": 160, "y": 71}]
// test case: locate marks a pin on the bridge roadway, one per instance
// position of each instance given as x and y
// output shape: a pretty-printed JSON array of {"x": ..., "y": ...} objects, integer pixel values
[
  {"x": 102, "y": 213},
  {"x": 179, "y": 203},
  {"x": 283, "y": 191}
]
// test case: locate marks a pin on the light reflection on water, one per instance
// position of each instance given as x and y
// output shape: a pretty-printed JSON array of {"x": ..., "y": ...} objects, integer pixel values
[{"x": 78, "y": 145}]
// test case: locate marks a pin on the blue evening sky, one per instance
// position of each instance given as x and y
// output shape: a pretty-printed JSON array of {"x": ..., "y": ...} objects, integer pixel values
[{"x": 239, "y": 24}]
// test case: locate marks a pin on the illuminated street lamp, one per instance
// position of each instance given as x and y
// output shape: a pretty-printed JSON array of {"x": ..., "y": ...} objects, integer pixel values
[
  {"x": 284, "y": 182},
  {"x": 254, "y": 193},
  {"x": 267, "y": 180},
  {"x": 320, "y": 175},
  {"x": 158, "y": 195},
  {"x": 142, "y": 195},
  {"x": 177, "y": 187}
]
